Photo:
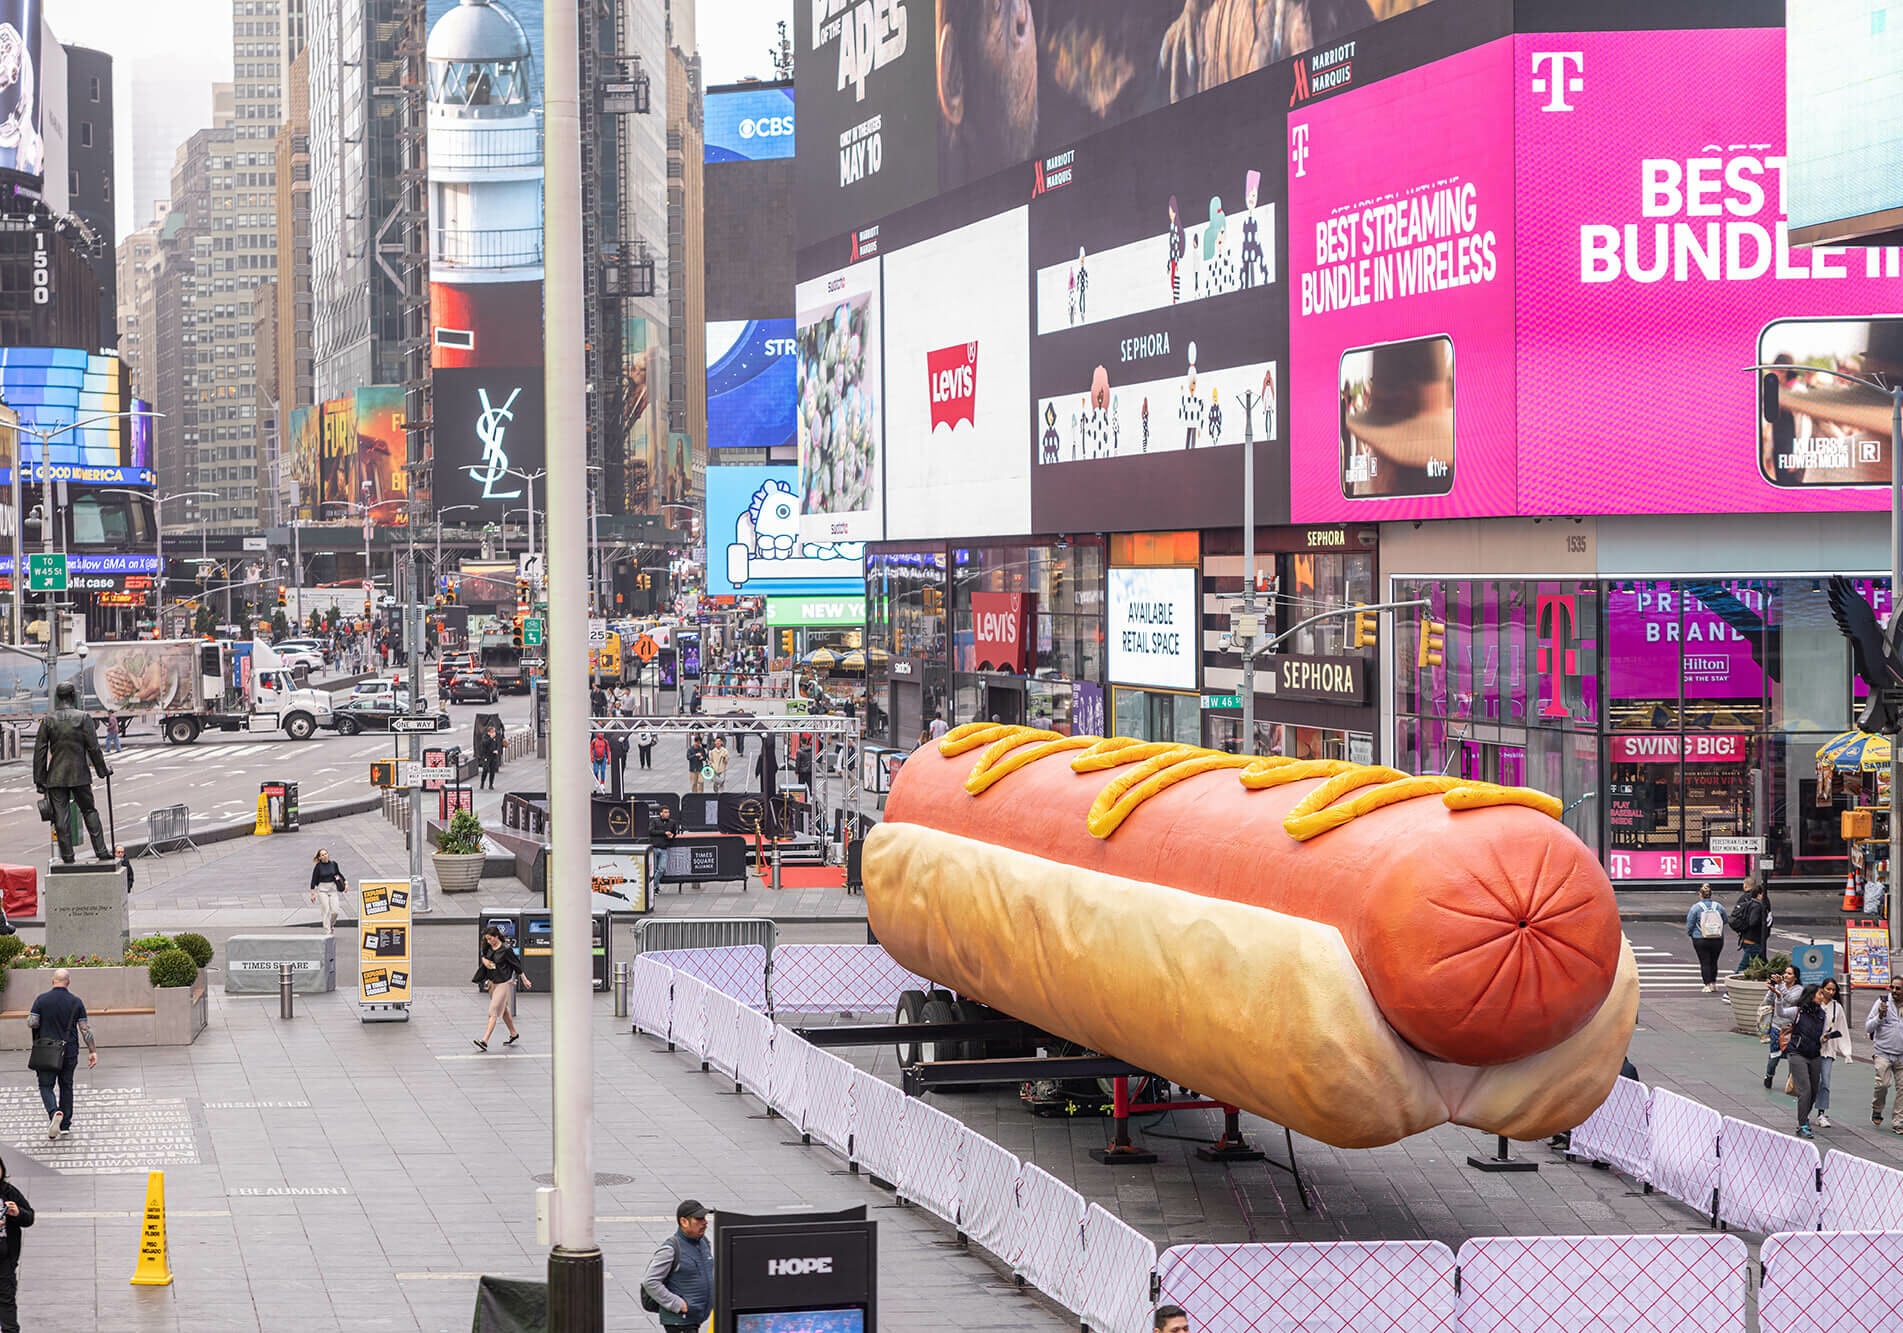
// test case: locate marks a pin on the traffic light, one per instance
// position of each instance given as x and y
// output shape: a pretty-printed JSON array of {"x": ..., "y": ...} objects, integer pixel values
[
  {"x": 281, "y": 601},
  {"x": 786, "y": 643},
  {"x": 1433, "y": 644},
  {"x": 521, "y": 590},
  {"x": 516, "y": 637},
  {"x": 1367, "y": 628}
]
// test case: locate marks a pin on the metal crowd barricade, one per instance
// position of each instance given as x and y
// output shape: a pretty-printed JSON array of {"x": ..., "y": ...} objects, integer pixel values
[
  {"x": 1845, "y": 1281},
  {"x": 1405, "y": 1285},
  {"x": 1767, "y": 1181},
  {"x": 1861, "y": 1195},
  {"x": 1639, "y": 1284},
  {"x": 1114, "y": 1285},
  {"x": 169, "y": 825},
  {"x": 1619, "y": 1133},
  {"x": 655, "y": 934}
]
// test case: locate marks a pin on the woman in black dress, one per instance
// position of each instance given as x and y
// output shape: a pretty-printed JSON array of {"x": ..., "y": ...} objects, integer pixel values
[{"x": 501, "y": 969}]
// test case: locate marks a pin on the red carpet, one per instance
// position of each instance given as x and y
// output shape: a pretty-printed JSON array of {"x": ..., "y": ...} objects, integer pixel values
[{"x": 809, "y": 877}]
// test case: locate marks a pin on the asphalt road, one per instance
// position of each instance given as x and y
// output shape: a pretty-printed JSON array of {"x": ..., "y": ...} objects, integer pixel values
[{"x": 218, "y": 775}]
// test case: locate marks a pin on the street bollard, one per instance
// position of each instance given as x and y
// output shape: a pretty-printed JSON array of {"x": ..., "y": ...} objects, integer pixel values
[
  {"x": 623, "y": 973},
  {"x": 285, "y": 1002}
]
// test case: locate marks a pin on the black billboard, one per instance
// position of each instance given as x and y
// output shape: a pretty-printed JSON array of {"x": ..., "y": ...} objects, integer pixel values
[
  {"x": 489, "y": 425},
  {"x": 22, "y": 95}
]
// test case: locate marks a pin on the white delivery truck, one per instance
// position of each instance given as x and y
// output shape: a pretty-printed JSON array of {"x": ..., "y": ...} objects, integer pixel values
[{"x": 192, "y": 685}]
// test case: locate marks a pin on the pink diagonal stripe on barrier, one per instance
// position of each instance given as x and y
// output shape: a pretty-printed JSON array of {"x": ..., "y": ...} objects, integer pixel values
[
  {"x": 1840, "y": 1281},
  {"x": 1767, "y": 1181},
  {"x": 1684, "y": 1148},
  {"x": 737, "y": 970},
  {"x": 787, "y": 1086},
  {"x": 1619, "y": 1133},
  {"x": 1052, "y": 1215},
  {"x": 829, "y": 1100},
  {"x": 1860, "y": 1195},
  {"x": 1366, "y": 1286},
  {"x": 1632, "y": 1284},
  {"x": 838, "y": 978},
  {"x": 931, "y": 1160},
  {"x": 650, "y": 991},
  {"x": 878, "y": 1120},
  {"x": 1114, "y": 1296},
  {"x": 988, "y": 1200}
]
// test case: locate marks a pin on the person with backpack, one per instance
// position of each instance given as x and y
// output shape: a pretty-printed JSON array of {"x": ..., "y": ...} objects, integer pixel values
[
  {"x": 1705, "y": 923},
  {"x": 1809, "y": 1033},
  {"x": 679, "y": 1282},
  {"x": 598, "y": 758},
  {"x": 1750, "y": 922}
]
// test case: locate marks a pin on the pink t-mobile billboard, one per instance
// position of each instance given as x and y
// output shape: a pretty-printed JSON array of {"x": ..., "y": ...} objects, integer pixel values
[{"x": 1655, "y": 267}]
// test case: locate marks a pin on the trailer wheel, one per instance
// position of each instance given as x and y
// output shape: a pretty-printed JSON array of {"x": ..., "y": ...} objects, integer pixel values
[
  {"x": 300, "y": 726},
  {"x": 970, "y": 1011},
  {"x": 181, "y": 730},
  {"x": 939, "y": 1011},
  {"x": 911, "y": 1005}
]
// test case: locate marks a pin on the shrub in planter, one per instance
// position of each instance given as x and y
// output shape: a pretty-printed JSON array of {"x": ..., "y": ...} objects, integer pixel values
[
  {"x": 11, "y": 947},
  {"x": 1763, "y": 969},
  {"x": 463, "y": 837},
  {"x": 172, "y": 968},
  {"x": 196, "y": 945}
]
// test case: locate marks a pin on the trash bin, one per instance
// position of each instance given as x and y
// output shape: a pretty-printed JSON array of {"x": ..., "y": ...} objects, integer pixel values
[{"x": 280, "y": 800}]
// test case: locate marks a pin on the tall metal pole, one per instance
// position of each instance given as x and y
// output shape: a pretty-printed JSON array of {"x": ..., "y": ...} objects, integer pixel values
[
  {"x": 19, "y": 527},
  {"x": 413, "y": 636},
  {"x": 1248, "y": 570},
  {"x": 158, "y": 550},
  {"x": 1896, "y": 610},
  {"x": 575, "y": 1264}
]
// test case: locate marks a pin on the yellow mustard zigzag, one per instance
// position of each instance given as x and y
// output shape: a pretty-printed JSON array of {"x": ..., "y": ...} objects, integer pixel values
[{"x": 1349, "y": 790}]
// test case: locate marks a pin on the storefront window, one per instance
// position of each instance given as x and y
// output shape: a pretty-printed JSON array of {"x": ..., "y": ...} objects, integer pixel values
[
  {"x": 1643, "y": 658},
  {"x": 1808, "y": 687},
  {"x": 1153, "y": 715}
]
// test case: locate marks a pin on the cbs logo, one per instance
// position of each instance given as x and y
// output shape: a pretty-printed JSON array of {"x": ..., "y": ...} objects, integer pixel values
[{"x": 766, "y": 127}]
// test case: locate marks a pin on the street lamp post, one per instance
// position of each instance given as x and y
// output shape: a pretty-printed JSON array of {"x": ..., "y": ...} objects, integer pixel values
[
  {"x": 529, "y": 477},
  {"x": 446, "y": 509},
  {"x": 158, "y": 538}
]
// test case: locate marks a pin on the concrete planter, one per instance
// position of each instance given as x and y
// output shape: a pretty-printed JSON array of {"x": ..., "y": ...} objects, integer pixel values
[
  {"x": 458, "y": 872},
  {"x": 1745, "y": 997},
  {"x": 125, "y": 1008}
]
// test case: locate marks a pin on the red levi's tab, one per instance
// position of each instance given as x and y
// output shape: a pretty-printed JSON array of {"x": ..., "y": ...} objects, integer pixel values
[{"x": 952, "y": 375}]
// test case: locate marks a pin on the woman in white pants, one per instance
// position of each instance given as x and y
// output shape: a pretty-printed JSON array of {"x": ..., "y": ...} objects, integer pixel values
[
  {"x": 1837, "y": 1049},
  {"x": 327, "y": 886}
]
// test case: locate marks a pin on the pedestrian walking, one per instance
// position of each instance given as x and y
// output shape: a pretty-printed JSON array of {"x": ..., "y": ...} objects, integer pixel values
[
  {"x": 19, "y": 1214},
  {"x": 1836, "y": 1019},
  {"x": 1750, "y": 922},
  {"x": 489, "y": 754},
  {"x": 679, "y": 1283},
  {"x": 598, "y": 759},
  {"x": 111, "y": 741},
  {"x": 717, "y": 759},
  {"x": 696, "y": 762},
  {"x": 1809, "y": 1032},
  {"x": 59, "y": 1015},
  {"x": 120, "y": 859},
  {"x": 644, "y": 742},
  {"x": 1781, "y": 992},
  {"x": 618, "y": 758},
  {"x": 500, "y": 967},
  {"x": 1885, "y": 1029},
  {"x": 1705, "y": 923},
  {"x": 328, "y": 886}
]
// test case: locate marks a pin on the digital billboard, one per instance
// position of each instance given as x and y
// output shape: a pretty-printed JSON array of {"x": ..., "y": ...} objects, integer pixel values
[
  {"x": 489, "y": 425},
  {"x": 840, "y": 405},
  {"x": 900, "y": 99},
  {"x": 55, "y": 388},
  {"x": 1843, "y": 79},
  {"x": 957, "y": 373},
  {"x": 1401, "y": 304},
  {"x": 337, "y": 469},
  {"x": 382, "y": 453},
  {"x": 754, "y": 544},
  {"x": 22, "y": 94},
  {"x": 304, "y": 448},
  {"x": 1653, "y": 204},
  {"x": 752, "y": 384},
  {"x": 1159, "y": 317},
  {"x": 748, "y": 123}
]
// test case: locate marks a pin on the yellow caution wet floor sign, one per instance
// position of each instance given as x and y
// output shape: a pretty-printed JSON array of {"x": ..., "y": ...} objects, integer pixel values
[
  {"x": 155, "y": 1262},
  {"x": 263, "y": 827}
]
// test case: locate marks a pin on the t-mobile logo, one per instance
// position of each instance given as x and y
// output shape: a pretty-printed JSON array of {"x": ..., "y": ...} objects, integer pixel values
[
  {"x": 1554, "y": 74},
  {"x": 1298, "y": 148}
]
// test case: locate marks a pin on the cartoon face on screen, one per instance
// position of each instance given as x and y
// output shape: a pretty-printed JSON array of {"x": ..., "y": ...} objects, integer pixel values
[
  {"x": 1814, "y": 427},
  {"x": 1397, "y": 419}
]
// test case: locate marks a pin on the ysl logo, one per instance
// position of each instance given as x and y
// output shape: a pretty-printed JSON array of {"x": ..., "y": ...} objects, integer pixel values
[
  {"x": 492, "y": 424},
  {"x": 1298, "y": 148},
  {"x": 1555, "y": 660},
  {"x": 1556, "y": 82}
]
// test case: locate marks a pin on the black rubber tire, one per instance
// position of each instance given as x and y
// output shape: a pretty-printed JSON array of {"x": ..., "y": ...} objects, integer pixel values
[
  {"x": 911, "y": 1005},
  {"x": 970, "y": 1011},
  {"x": 348, "y": 726},
  {"x": 939, "y": 1011},
  {"x": 300, "y": 726},
  {"x": 181, "y": 730}
]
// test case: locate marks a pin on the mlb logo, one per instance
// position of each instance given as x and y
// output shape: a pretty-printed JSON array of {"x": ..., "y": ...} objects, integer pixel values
[{"x": 1698, "y": 867}]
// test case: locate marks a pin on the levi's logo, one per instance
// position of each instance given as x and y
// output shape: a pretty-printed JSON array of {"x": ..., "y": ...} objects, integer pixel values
[
  {"x": 1000, "y": 627},
  {"x": 952, "y": 377}
]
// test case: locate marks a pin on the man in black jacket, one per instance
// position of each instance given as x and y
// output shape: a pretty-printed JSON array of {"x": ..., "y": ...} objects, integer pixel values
[
  {"x": 65, "y": 755},
  {"x": 19, "y": 1214},
  {"x": 1750, "y": 920}
]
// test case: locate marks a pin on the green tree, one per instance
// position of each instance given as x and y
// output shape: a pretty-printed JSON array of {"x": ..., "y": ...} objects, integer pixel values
[
  {"x": 280, "y": 627},
  {"x": 202, "y": 624}
]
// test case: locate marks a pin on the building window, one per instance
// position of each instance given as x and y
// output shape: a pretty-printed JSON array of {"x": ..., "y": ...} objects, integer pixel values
[
  {"x": 94, "y": 88},
  {"x": 85, "y": 134},
  {"x": 72, "y": 182}
]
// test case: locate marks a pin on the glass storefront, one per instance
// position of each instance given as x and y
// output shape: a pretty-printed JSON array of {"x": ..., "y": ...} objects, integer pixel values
[{"x": 1663, "y": 712}]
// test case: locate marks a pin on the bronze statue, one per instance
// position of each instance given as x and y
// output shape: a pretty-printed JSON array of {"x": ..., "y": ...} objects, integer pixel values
[{"x": 65, "y": 756}]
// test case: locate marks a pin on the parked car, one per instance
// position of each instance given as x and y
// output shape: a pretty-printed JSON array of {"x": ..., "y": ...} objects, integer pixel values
[
  {"x": 375, "y": 714},
  {"x": 471, "y": 687},
  {"x": 452, "y": 665},
  {"x": 300, "y": 657}
]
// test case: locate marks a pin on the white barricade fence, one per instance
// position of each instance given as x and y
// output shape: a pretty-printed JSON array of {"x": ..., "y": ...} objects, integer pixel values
[
  {"x": 691, "y": 996},
  {"x": 1860, "y": 1195},
  {"x": 1619, "y": 1133},
  {"x": 1843, "y": 1281},
  {"x": 931, "y": 1160},
  {"x": 1398, "y": 1286},
  {"x": 754, "y": 1037},
  {"x": 1113, "y": 1294},
  {"x": 1767, "y": 1181},
  {"x": 1637, "y": 1284},
  {"x": 1051, "y": 1214},
  {"x": 878, "y": 1126},
  {"x": 723, "y": 1012},
  {"x": 829, "y": 1100},
  {"x": 1685, "y": 1148},
  {"x": 838, "y": 978},
  {"x": 786, "y": 1085},
  {"x": 988, "y": 1197},
  {"x": 738, "y": 970},
  {"x": 651, "y": 996}
]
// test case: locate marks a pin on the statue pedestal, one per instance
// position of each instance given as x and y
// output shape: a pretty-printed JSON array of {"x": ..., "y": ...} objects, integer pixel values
[{"x": 85, "y": 911}]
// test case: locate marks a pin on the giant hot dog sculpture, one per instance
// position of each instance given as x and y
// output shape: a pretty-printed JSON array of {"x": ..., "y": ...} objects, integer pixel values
[{"x": 1354, "y": 953}]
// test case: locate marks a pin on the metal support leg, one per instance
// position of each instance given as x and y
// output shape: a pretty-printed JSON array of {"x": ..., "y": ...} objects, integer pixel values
[
  {"x": 1232, "y": 1147},
  {"x": 1121, "y": 1151},
  {"x": 1502, "y": 1160}
]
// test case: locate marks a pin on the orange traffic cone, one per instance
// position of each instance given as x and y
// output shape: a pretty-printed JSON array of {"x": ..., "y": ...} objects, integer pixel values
[{"x": 1853, "y": 893}]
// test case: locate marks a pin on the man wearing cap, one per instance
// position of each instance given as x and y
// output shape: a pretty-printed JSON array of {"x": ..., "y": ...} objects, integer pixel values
[{"x": 680, "y": 1276}]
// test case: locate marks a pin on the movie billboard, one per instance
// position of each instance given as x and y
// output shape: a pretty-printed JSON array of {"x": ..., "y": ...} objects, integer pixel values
[
  {"x": 747, "y": 123},
  {"x": 901, "y": 99},
  {"x": 489, "y": 429},
  {"x": 382, "y": 454},
  {"x": 752, "y": 384},
  {"x": 337, "y": 469},
  {"x": 305, "y": 449},
  {"x": 957, "y": 357},
  {"x": 840, "y": 387},
  {"x": 22, "y": 95},
  {"x": 754, "y": 543},
  {"x": 1159, "y": 318}
]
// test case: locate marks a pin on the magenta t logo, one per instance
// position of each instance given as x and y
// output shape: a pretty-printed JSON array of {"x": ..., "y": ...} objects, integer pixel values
[
  {"x": 1298, "y": 148},
  {"x": 1557, "y": 73},
  {"x": 1556, "y": 660}
]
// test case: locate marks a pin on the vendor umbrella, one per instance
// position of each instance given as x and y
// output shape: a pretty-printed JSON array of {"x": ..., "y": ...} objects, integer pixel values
[{"x": 1854, "y": 752}]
